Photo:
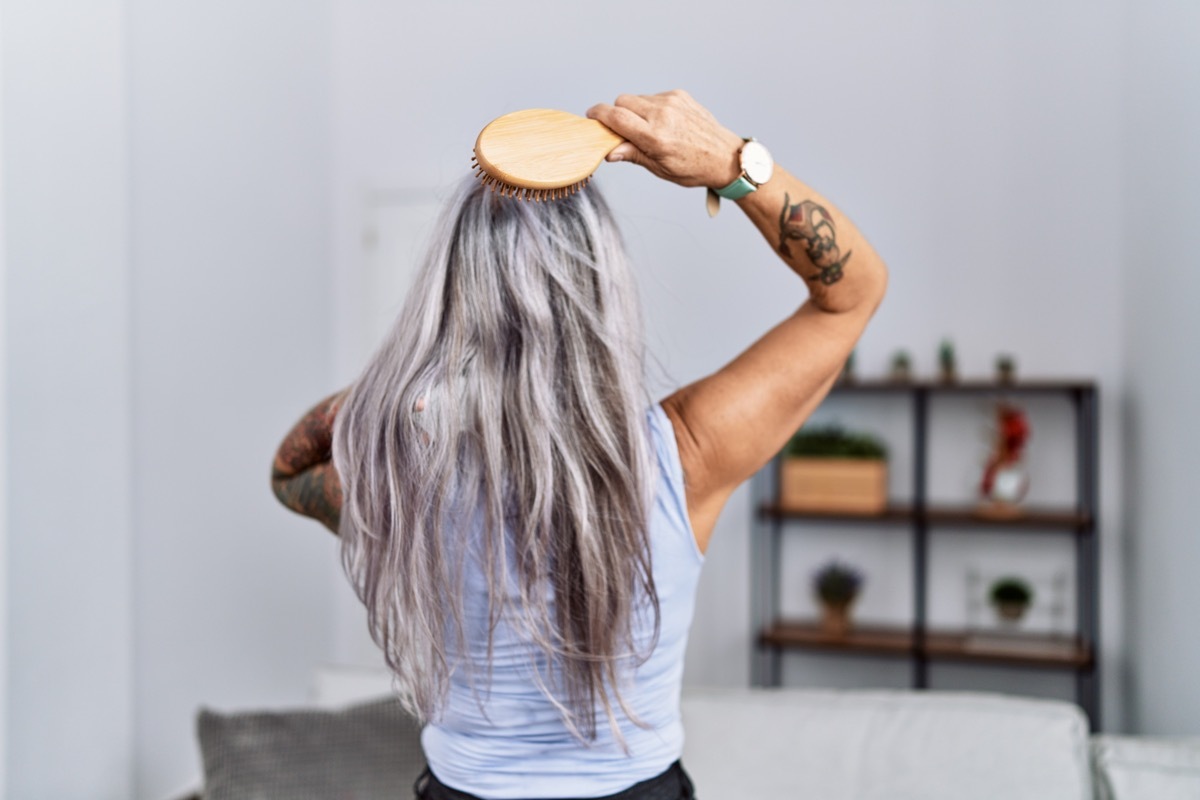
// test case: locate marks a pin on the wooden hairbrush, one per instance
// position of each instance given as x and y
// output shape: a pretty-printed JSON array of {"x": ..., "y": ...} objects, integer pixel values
[{"x": 540, "y": 153}]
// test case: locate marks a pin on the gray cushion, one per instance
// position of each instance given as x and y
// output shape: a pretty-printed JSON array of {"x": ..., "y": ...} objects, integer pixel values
[{"x": 366, "y": 751}]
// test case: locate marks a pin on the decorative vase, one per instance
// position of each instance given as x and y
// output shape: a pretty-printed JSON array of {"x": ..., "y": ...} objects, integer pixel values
[
  {"x": 1005, "y": 480},
  {"x": 835, "y": 618},
  {"x": 1009, "y": 485},
  {"x": 1011, "y": 612}
]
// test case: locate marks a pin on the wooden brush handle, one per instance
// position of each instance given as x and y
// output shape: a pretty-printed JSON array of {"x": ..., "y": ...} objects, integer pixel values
[{"x": 541, "y": 148}]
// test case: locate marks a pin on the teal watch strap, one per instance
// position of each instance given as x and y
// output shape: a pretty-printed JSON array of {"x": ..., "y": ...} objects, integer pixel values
[{"x": 736, "y": 190}]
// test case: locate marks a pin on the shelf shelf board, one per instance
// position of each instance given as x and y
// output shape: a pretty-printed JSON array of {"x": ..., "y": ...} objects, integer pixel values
[
  {"x": 891, "y": 514},
  {"x": 960, "y": 516},
  {"x": 1029, "y": 650},
  {"x": 808, "y": 635},
  {"x": 1039, "y": 386},
  {"x": 1034, "y": 517},
  {"x": 1010, "y": 649}
]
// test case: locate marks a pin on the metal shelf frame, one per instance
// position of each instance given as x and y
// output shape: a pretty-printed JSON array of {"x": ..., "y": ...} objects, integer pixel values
[{"x": 917, "y": 643}]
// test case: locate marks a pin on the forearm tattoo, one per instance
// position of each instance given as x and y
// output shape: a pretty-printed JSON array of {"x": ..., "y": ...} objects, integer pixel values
[
  {"x": 315, "y": 493},
  {"x": 810, "y": 223},
  {"x": 309, "y": 442},
  {"x": 303, "y": 476}
]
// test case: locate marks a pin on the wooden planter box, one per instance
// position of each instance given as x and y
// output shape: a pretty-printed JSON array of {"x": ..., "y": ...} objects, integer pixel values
[{"x": 836, "y": 485}]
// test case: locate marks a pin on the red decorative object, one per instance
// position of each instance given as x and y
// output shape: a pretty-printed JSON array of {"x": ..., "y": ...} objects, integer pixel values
[{"x": 1004, "y": 481}]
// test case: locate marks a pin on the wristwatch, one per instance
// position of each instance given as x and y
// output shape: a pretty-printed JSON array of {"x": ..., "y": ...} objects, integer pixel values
[{"x": 756, "y": 164}]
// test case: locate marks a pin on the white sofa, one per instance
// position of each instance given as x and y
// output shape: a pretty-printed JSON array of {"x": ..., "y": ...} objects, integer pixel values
[
  {"x": 902, "y": 745},
  {"x": 865, "y": 745},
  {"x": 747, "y": 744}
]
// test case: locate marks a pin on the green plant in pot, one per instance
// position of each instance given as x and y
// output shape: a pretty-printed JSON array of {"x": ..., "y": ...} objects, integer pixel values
[
  {"x": 848, "y": 374},
  {"x": 947, "y": 362},
  {"x": 901, "y": 369},
  {"x": 1011, "y": 597},
  {"x": 831, "y": 470},
  {"x": 832, "y": 441},
  {"x": 1006, "y": 368},
  {"x": 837, "y": 586}
]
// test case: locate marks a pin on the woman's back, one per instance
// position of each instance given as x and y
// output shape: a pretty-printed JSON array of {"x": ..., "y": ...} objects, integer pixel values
[{"x": 508, "y": 740}]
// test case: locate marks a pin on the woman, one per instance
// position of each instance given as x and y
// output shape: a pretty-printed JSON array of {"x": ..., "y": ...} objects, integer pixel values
[{"x": 525, "y": 536}]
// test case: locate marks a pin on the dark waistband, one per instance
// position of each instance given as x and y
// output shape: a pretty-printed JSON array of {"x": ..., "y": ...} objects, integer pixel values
[{"x": 672, "y": 784}]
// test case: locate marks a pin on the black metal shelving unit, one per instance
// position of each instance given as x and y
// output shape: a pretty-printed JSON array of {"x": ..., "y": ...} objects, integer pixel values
[{"x": 917, "y": 642}]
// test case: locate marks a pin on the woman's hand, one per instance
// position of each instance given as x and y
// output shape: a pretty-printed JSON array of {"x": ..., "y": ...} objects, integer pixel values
[{"x": 673, "y": 136}]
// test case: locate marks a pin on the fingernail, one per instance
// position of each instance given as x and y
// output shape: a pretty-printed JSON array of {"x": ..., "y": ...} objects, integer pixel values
[{"x": 616, "y": 157}]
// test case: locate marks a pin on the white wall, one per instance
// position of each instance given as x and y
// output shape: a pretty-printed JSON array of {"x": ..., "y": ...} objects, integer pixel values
[
  {"x": 1162, "y": 391},
  {"x": 231, "y": 323},
  {"x": 67, "y": 312},
  {"x": 3, "y": 455},
  {"x": 977, "y": 145},
  {"x": 166, "y": 216}
]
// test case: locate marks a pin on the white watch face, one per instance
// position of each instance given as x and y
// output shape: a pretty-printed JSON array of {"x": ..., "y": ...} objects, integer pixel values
[{"x": 757, "y": 162}]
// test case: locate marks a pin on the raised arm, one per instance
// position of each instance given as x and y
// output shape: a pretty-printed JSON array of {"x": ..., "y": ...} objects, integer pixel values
[
  {"x": 302, "y": 476},
  {"x": 732, "y": 422}
]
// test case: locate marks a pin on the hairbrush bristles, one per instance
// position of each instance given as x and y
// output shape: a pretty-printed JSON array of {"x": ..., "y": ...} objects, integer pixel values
[{"x": 505, "y": 189}]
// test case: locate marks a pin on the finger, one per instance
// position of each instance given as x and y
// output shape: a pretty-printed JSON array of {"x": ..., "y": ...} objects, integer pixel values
[
  {"x": 680, "y": 93},
  {"x": 642, "y": 106},
  {"x": 622, "y": 122},
  {"x": 627, "y": 151}
]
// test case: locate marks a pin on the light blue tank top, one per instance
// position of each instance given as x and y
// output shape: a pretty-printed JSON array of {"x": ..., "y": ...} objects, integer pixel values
[{"x": 517, "y": 746}]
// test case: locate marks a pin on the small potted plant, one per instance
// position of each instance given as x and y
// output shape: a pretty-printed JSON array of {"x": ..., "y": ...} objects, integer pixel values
[
  {"x": 1011, "y": 597},
  {"x": 947, "y": 362},
  {"x": 901, "y": 371},
  {"x": 836, "y": 586},
  {"x": 1006, "y": 369},
  {"x": 848, "y": 374},
  {"x": 827, "y": 469}
]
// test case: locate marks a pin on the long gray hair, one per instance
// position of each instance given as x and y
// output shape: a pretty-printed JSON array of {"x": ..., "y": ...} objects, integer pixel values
[{"x": 509, "y": 396}]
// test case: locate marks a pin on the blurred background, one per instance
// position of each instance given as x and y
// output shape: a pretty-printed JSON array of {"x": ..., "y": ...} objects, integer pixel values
[{"x": 209, "y": 214}]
